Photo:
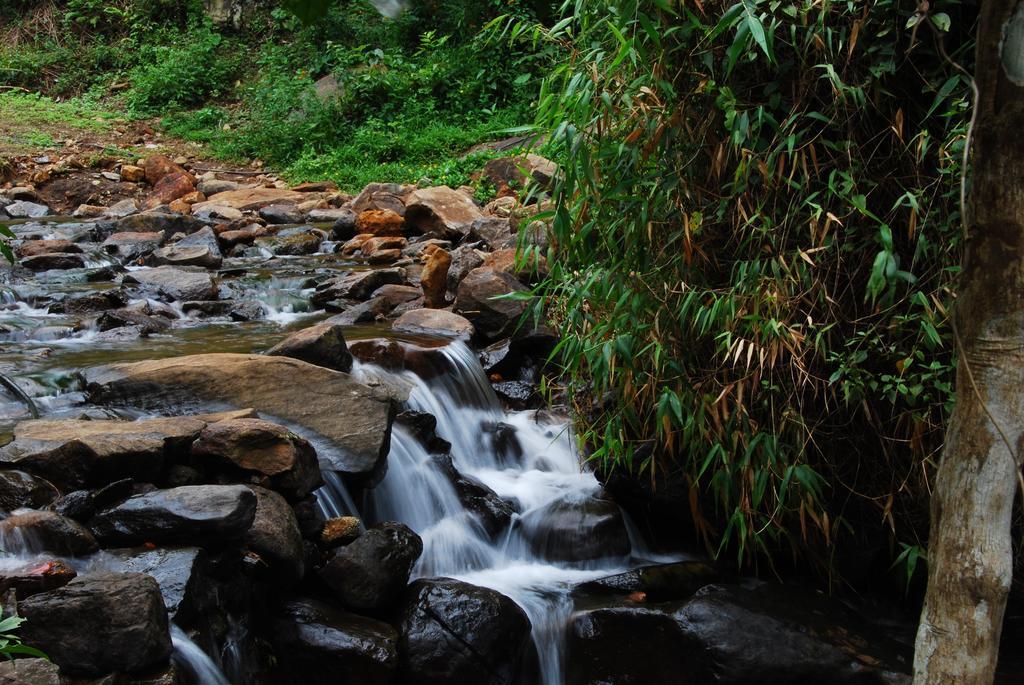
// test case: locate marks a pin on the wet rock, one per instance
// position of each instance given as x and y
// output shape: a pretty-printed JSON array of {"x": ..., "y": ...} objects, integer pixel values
[
  {"x": 570, "y": 530},
  {"x": 77, "y": 505},
  {"x": 172, "y": 283},
  {"x": 454, "y": 632},
  {"x": 130, "y": 246},
  {"x": 177, "y": 255},
  {"x": 344, "y": 226},
  {"x": 30, "y": 672},
  {"x": 733, "y": 636},
  {"x": 380, "y": 222},
  {"x": 56, "y": 261},
  {"x": 78, "y": 453},
  {"x": 371, "y": 573},
  {"x": 355, "y": 418},
  {"x": 100, "y": 623},
  {"x": 118, "y": 318},
  {"x": 254, "y": 445},
  {"x": 251, "y": 199},
  {"x": 22, "y": 490},
  {"x": 316, "y": 643},
  {"x": 441, "y": 211},
  {"x": 166, "y": 223},
  {"x": 322, "y": 344},
  {"x": 387, "y": 354},
  {"x": 518, "y": 394},
  {"x": 493, "y": 231},
  {"x": 327, "y": 215},
  {"x": 494, "y": 513},
  {"x": 23, "y": 209},
  {"x": 434, "y": 321},
  {"x": 397, "y": 294},
  {"x": 45, "y": 531},
  {"x": 275, "y": 535},
  {"x": 476, "y": 300},
  {"x": 243, "y": 236},
  {"x": 90, "y": 303},
  {"x": 32, "y": 248},
  {"x": 358, "y": 285},
  {"x": 303, "y": 240},
  {"x": 35, "y": 577},
  {"x": 434, "y": 278},
  {"x": 187, "y": 514},
  {"x": 464, "y": 260},
  {"x": 281, "y": 214},
  {"x": 658, "y": 583},
  {"x": 180, "y": 572},
  {"x": 340, "y": 531}
]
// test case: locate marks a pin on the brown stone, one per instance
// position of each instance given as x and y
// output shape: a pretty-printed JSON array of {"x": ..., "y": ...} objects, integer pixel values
[
  {"x": 171, "y": 187},
  {"x": 251, "y": 199},
  {"x": 322, "y": 344},
  {"x": 36, "y": 577},
  {"x": 132, "y": 173},
  {"x": 340, "y": 531},
  {"x": 434, "y": 321},
  {"x": 355, "y": 244},
  {"x": 31, "y": 248},
  {"x": 380, "y": 222},
  {"x": 434, "y": 278},
  {"x": 157, "y": 167},
  {"x": 441, "y": 211}
]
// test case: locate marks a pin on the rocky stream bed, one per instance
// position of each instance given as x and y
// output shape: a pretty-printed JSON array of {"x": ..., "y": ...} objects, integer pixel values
[{"x": 261, "y": 434}]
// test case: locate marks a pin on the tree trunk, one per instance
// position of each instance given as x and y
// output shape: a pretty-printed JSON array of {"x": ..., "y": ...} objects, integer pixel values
[{"x": 970, "y": 562}]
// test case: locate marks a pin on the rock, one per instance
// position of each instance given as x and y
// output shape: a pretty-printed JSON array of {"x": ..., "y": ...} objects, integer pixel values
[
  {"x": 732, "y": 636},
  {"x": 170, "y": 188},
  {"x": 327, "y": 215},
  {"x": 275, "y": 535},
  {"x": 658, "y": 583},
  {"x": 382, "y": 196},
  {"x": 171, "y": 283},
  {"x": 251, "y": 199},
  {"x": 493, "y": 231},
  {"x": 217, "y": 214},
  {"x": 100, "y": 623},
  {"x": 88, "y": 211},
  {"x": 187, "y": 514},
  {"x": 90, "y": 303},
  {"x": 434, "y": 321},
  {"x": 340, "y": 531},
  {"x": 370, "y": 311},
  {"x": 212, "y": 186},
  {"x": 45, "y": 531},
  {"x": 320, "y": 645},
  {"x": 387, "y": 354},
  {"x": 121, "y": 209},
  {"x": 371, "y": 573},
  {"x": 316, "y": 187},
  {"x": 464, "y": 260},
  {"x": 322, "y": 344},
  {"x": 568, "y": 530},
  {"x": 454, "y": 632},
  {"x": 79, "y": 453},
  {"x": 21, "y": 490},
  {"x": 56, "y": 261},
  {"x": 476, "y": 300},
  {"x": 344, "y": 226},
  {"x": 119, "y": 318},
  {"x": 30, "y": 672},
  {"x": 380, "y": 222},
  {"x": 167, "y": 223},
  {"x": 434, "y": 278},
  {"x": 501, "y": 207},
  {"x": 129, "y": 246},
  {"x": 22, "y": 209},
  {"x": 354, "y": 418},
  {"x": 156, "y": 167},
  {"x": 505, "y": 260},
  {"x": 303, "y": 240},
  {"x": 35, "y": 577},
  {"x": 181, "y": 573},
  {"x": 358, "y": 285},
  {"x": 281, "y": 214},
  {"x": 441, "y": 211},
  {"x": 32, "y": 248},
  {"x": 258, "y": 446},
  {"x": 397, "y": 294},
  {"x": 132, "y": 174},
  {"x": 197, "y": 255},
  {"x": 495, "y": 514}
]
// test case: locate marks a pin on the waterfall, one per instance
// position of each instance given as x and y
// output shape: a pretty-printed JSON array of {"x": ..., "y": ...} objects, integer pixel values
[
  {"x": 524, "y": 457},
  {"x": 193, "y": 660}
]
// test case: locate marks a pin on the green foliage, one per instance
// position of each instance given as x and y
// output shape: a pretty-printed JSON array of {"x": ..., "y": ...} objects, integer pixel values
[
  {"x": 11, "y": 644},
  {"x": 755, "y": 232},
  {"x": 8, "y": 254}
]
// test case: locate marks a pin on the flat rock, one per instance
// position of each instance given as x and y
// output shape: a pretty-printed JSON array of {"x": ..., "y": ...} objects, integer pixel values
[
  {"x": 358, "y": 285},
  {"x": 187, "y": 514},
  {"x": 438, "y": 321},
  {"x": 23, "y": 209},
  {"x": 251, "y": 199},
  {"x": 441, "y": 211},
  {"x": 131, "y": 245},
  {"x": 183, "y": 255},
  {"x": 175, "y": 284},
  {"x": 78, "y": 453},
  {"x": 352, "y": 417},
  {"x": 56, "y": 261}
]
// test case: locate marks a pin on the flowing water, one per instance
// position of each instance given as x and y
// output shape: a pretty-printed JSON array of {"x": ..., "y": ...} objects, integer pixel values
[{"x": 526, "y": 458}]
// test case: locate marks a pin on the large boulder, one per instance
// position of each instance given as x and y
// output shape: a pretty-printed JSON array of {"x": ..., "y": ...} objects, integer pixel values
[
  {"x": 493, "y": 513},
  {"x": 22, "y": 490},
  {"x": 454, "y": 632},
  {"x": 287, "y": 461},
  {"x": 380, "y": 222},
  {"x": 358, "y": 285},
  {"x": 322, "y": 344},
  {"x": 317, "y": 644},
  {"x": 483, "y": 299},
  {"x": 156, "y": 167},
  {"x": 275, "y": 536},
  {"x": 382, "y": 196},
  {"x": 170, "y": 283},
  {"x": 44, "y": 531},
  {"x": 193, "y": 514},
  {"x": 155, "y": 221},
  {"x": 353, "y": 418},
  {"x": 170, "y": 188},
  {"x": 768, "y": 635},
  {"x": 371, "y": 573},
  {"x": 181, "y": 572},
  {"x": 441, "y": 211},
  {"x": 76, "y": 453},
  {"x": 576, "y": 530},
  {"x": 434, "y": 278},
  {"x": 100, "y": 623},
  {"x": 465, "y": 258}
]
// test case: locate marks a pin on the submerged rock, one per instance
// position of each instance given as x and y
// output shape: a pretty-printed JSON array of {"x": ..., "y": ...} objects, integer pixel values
[
  {"x": 371, "y": 573},
  {"x": 100, "y": 623},
  {"x": 188, "y": 514},
  {"x": 454, "y": 632},
  {"x": 318, "y": 644},
  {"x": 353, "y": 417}
]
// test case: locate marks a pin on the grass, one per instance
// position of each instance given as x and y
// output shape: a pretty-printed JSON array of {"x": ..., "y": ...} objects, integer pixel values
[{"x": 31, "y": 122}]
